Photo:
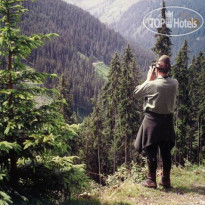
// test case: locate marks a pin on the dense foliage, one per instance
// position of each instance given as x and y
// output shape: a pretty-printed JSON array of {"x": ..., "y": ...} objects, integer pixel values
[
  {"x": 112, "y": 126},
  {"x": 163, "y": 43},
  {"x": 43, "y": 154},
  {"x": 83, "y": 40},
  {"x": 35, "y": 139},
  {"x": 131, "y": 26},
  {"x": 189, "y": 123},
  {"x": 110, "y": 129},
  {"x": 189, "y": 115}
]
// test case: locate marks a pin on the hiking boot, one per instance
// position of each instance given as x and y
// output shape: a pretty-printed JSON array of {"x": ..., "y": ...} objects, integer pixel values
[
  {"x": 150, "y": 181},
  {"x": 151, "y": 175},
  {"x": 165, "y": 179}
]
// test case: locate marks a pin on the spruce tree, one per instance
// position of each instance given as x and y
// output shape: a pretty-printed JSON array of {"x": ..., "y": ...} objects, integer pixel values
[
  {"x": 100, "y": 145},
  {"x": 65, "y": 93},
  {"x": 35, "y": 164},
  {"x": 194, "y": 70},
  {"x": 201, "y": 113},
  {"x": 128, "y": 113},
  {"x": 97, "y": 128},
  {"x": 163, "y": 42},
  {"x": 114, "y": 116},
  {"x": 94, "y": 143},
  {"x": 181, "y": 73},
  {"x": 111, "y": 99},
  {"x": 196, "y": 90}
]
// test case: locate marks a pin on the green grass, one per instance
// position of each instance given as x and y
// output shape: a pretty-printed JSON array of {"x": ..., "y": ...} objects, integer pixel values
[
  {"x": 188, "y": 187},
  {"x": 82, "y": 56},
  {"x": 83, "y": 202},
  {"x": 99, "y": 66},
  {"x": 101, "y": 69}
]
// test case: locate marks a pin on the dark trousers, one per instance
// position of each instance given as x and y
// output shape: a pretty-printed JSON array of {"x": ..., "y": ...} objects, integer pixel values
[{"x": 151, "y": 154}]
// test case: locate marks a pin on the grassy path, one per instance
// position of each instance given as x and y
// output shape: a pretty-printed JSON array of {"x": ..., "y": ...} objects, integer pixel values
[{"x": 188, "y": 187}]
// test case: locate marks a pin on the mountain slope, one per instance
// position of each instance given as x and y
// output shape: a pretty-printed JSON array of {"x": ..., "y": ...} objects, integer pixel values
[
  {"x": 108, "y": 11},
  {"x": 79, "y": 33},
  {"x": 130, "y": 23},
  {"x": 131, "y": 26},
  {"x": 83, "y": 40}
]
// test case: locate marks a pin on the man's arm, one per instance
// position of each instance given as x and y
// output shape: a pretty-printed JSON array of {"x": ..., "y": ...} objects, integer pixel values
[{"x": 141, "y": 90}]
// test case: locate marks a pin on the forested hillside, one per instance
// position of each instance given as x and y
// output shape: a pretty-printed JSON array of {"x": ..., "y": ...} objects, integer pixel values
[
  {"x": 80, "y": 35},
  {"x": 131, "y": 25},
  {"x": 35, "y": 139},
  {"x": 57, "y": 54},
  {"x": 127, "y": 18},
  {"x": 113, "y": 125}
]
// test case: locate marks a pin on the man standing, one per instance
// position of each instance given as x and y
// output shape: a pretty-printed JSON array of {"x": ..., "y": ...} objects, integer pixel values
[{"x": 157, "y": 129}]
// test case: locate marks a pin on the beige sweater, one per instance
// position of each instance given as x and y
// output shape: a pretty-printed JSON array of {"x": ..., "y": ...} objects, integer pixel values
[{"x": 160, "y": 95}]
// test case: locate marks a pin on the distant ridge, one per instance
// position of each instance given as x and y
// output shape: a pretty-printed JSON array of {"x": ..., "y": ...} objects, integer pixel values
[{"x": 79, "y": 33}]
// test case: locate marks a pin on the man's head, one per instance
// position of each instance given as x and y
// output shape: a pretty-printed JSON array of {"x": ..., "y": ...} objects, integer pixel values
[{"x": 164, "y": 64}]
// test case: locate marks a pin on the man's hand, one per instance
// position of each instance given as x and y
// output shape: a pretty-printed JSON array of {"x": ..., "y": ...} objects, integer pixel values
[{"x": 151, "y": 74}]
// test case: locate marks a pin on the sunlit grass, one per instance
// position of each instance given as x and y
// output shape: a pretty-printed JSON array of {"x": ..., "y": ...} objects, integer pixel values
[
  {"x": 101, "y": 69},
  {"x": 188, "y": 187}
]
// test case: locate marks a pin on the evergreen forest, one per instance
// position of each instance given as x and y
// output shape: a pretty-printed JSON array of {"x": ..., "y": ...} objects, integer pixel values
[{"x": 66, "y": 130}]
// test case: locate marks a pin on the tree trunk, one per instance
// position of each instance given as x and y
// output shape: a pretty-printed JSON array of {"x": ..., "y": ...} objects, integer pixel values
[
  {"x": 13, "y": 156},
  {"x": 114, "y": 139},
  {"x": 99, "y": 163},
  {"x": 126, "y": 150},
  {"x": 189, "y": 150},
  {"x": 191, "y": 147},
  {"x": 177, "y": 116},
  {"x": 131, "y": 140},
  {"x": 114, "y": 156},
  {"x": 199, "y": 143},
  {"x": 175, "y": 153}
]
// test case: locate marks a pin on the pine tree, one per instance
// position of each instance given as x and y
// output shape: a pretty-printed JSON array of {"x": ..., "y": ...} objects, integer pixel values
[
  {"x": 181, "y": 73},
  {"x": 33, "y": 137},
  {"x": 111, "y": 99},
  {"x": 96, "y": 143},
  {"x": 97, "y": 127},
  {"x": 163, "y": 43},
  {"x": 194, "y": 71},
  {"x": 196, "y": 87},
  {"x": 192, "y": 120},
  {"x": 63, "y": 88},
  {"x": 128, "y": 114},
  {"x": 100, "y": 146},
  {"x": 106, "y": 128},
  {"x": 201, "y": 113}
]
